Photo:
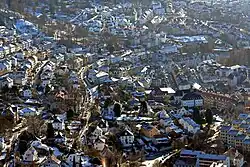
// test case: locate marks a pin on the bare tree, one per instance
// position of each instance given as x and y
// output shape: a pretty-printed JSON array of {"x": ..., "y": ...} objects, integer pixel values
[{"x": 36, "y": 126}]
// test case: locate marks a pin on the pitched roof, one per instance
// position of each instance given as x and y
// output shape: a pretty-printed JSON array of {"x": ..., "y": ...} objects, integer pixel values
[
  {"x": 192, "y": 96},
  {"x": 225, "y": 128}
]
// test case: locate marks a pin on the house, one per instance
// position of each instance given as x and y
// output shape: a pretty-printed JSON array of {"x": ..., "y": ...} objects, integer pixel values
[
  {"x": 28, "y": 112},
  {"x": 76, "y": 157},
  {"x": 6, "y": 81},
  {"x": 224, "y": 132},
  {"x": 192, "y": 99},
  {"x": 243, "y": 116},
  {"x": 166, "y": 122},
  {"x": 40, "y": 147},
  {"x": 126, "y": 138},
  {"x": 99, "y": 143},
  {"x": 51, "y": 161},
  {"x": 189, "y": 125},
  {"x": 149, "y": 130},
  {"x": 236, "y": 158},
  {"x": 58, "y": 124},
  {"x": 203, "y": 159},
  {"x": 239, "y": 140},
  {"x": 243, "y": 127},
  {"x": 19, "y": 78},
  {"x": 232, "y": 80},
  {"x": 163, "y": 114},
  {"x": 30, "y": 155},
  {"x": 103, "y": 124},
  {"x": 236, "y": 123},
  {"x": 246, "y": 145},
  {"x": 102, "y": 77},
  {"x": 231, "y": 136},
  {"x": 2, "y": 144},
  {"x": 183, "y": 111},
  {"x": 157, "y": 94},
  {"x": 96, "y": 133},
  {"x": 108, "y": 113},
  {"x": 60, "y": 138}
]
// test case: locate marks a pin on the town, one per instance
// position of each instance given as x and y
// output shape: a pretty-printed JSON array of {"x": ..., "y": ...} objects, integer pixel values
[{"x": 124, "y": 83}]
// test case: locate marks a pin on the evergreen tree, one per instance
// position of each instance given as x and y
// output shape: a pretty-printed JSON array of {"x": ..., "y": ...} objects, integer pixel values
[
  {"x": 196, "y": 115},
  {"x": 209, "y": 116},
  {"x": 50, "y": 131},
  {"x": 107, "y": 103},
  {"x": 117, "y": 110},
  {"x": 144, "y": 107},
  {"x": 47, "y": 89},
  {"x": 70, "y": 114},
  {"x": 74, "y": 162}
]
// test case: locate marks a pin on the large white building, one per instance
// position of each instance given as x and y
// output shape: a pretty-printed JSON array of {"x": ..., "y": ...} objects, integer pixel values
[{"x": 192, "y": 99}]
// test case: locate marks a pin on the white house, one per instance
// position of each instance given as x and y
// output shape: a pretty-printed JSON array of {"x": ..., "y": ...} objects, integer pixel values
[
  {"x": 58, "y": 124},
  {"x": 77, "y": 157},
  {"x": 96, "y": 133},
  {"x": 30, "y": 155},
  {"x": 127, "y": 138},
  {"x": 189, "y": 125},
  {"x": 60, "y": 138},
  {"x": 99, "y": 144},
  {"x": 103, "y": 124}
]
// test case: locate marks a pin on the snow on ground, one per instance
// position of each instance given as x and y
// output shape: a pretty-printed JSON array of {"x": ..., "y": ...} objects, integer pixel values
[{"x": 149, "y": 163}]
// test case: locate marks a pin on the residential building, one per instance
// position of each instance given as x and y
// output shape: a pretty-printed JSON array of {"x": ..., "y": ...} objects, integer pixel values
[
  {"x": 30, "y": 155},
  {"x": 126, "y": 138}
]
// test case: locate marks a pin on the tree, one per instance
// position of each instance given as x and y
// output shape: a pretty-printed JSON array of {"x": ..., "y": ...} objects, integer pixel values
[
  {"x": 144, "y": 107},
  {"x": 36, "y": 126},
  {"x": 117, "y": 110},
  {"x": 70, "y": 114},
  {"x": 74, "y": 162},
  {"x": 50, "y": 131},
  {"x": 196, "y": 115},
  {"x": 111, "y": 48},
  {"x": 107, "y": 102},
  {"x": 209, "y": 116},
  {"x": 47, "y": 89},
  {"x": 80, "y": 161}
]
